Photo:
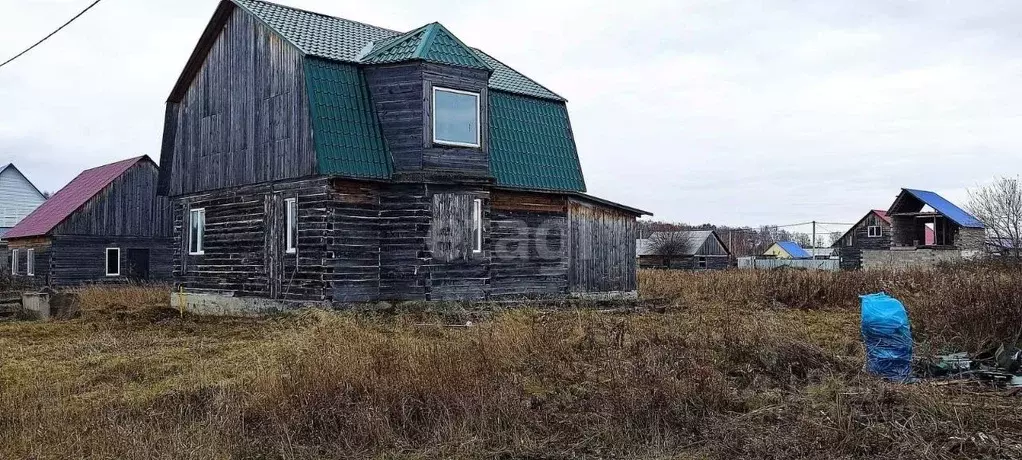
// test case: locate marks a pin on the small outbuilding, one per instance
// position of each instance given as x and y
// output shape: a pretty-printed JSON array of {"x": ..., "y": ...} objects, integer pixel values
[
  {"x": 787, "y": 250},
  {"x": 916, "y": 213},
  {"x": 872, "y": 231},
  {"x": 689, "y": 249},
  {"x": 107, "y": 225}
]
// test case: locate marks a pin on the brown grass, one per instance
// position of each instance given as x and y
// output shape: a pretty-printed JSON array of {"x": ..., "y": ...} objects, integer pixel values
[{"x": 757, "y": 369}]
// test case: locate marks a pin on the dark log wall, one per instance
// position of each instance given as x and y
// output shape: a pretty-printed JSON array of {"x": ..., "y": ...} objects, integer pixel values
[
  {"x": 245, "y": 117},
  {"x": 41, "y": 253},
  {"x": 528, "y": 233},
  {"x": 74, "y": 260},
  {"x": 601, "y": 248},
  {"x": 402, "y": 94},
  {"x": 686, "y": 262},
  {"x": 353, "y": 256},
  {"x": 244, "y": 251},
  {"x": 851, "y": 256},
  {"x": 128, "y": 206}
]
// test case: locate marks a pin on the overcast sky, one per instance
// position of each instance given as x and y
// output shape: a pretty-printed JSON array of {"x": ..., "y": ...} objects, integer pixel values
[{"x": 731, "y": 112}]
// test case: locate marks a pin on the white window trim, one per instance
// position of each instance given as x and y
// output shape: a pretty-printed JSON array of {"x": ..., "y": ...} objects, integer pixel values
[
  {"x": 288, "y": 215},
  {"x": 14, "y": 262},
  {"x": 879, "y": 231},
  {"x": 479, "y": 119},
  {"x": 30, "y": 262},
  {"x": 106, "y": 268},
  {"x": 477, "y": 223},
  {"x": 201, "y": 246}
]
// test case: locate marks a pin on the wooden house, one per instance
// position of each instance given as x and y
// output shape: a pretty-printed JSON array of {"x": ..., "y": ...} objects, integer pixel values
[
  {"x": 18, "y": 197},
  {"x": 698, "y": 250},
  {"x": 872, "y": 232},
  {"x": 107, "y": 225},
  {"x": 312, "y": 158},
  {"x": 916, "y": 213},
  {"x": 786, "y": 250}
]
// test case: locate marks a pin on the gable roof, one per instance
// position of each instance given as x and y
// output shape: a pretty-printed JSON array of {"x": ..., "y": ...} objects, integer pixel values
[
  {"x": 794, "y": 250},
  {"x": 15, "y": 168},
  {"x": 70, "y": 198},
  {"x": 926, "y": 198},
  {"x": 694, "y": 241},
  {"x": 343, "y": 40},
  {"x": 431, "y": 43},
  {"x": 880, "y": 213}
]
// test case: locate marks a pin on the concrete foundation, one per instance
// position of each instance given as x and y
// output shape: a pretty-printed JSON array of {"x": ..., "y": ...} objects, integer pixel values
[
  {"x": 229, "y": 305},
  {"x": 36, "y": 305},
  {"x": 906, "y": 258}
]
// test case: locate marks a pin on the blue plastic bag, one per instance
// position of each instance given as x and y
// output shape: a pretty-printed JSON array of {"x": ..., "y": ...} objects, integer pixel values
[{"x": 887, "y": 334}]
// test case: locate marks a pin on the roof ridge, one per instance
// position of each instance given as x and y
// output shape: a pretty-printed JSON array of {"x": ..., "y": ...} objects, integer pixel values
[
  {"x": 394, "y": 41},
  {"x": 562, "y": 98},
  {"x": 317, "y": 14}
]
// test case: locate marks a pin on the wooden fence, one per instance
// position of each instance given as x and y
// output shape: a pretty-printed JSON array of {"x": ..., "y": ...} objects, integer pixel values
[{"x": 809, "y": 264}]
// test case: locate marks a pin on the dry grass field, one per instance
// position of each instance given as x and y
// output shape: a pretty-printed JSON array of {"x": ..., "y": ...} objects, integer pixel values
[{"x": 726, "y": 365}]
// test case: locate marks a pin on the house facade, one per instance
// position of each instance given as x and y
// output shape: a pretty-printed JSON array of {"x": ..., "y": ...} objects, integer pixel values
[
  {"x": 18, "y": 197},
  {"x": 106, "y": 226},
  {"x": 872, "y": 232},
  {"x": 311, "y": 158},
  {"x": 696, "y": 250}
]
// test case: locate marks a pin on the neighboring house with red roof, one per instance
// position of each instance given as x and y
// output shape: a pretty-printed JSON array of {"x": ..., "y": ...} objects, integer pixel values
[
  {"x": 106, "y": 225},
  {"x": 873, "y": 231}
]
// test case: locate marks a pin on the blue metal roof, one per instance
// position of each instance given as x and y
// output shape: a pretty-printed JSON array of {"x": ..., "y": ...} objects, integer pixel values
[
  {"x": 945, "y": 207},
  {"x": 794, "y": 250}
]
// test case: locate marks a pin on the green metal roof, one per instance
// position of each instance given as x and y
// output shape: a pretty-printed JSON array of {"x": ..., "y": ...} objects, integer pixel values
[
  {"x": 343, "y": 40},
  {"x": 531, "y": 144},
  {"x": 347, "y": 136},
  {"x": 432, "y": 42}
]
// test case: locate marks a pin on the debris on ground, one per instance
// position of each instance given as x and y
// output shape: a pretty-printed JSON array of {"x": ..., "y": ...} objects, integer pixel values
[{"x": 997, "y": 369}]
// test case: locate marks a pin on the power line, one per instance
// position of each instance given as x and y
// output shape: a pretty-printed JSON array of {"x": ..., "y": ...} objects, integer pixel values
[{"x": 51, "y": 34}]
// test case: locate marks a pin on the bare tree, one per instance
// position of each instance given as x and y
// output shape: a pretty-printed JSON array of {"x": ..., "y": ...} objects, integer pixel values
[
  {"x": 670, "y": 245},
  {"x": 802, "y": 239},
  {"x": 834, "y": 238},
  {"x": 999, "y": 207}
]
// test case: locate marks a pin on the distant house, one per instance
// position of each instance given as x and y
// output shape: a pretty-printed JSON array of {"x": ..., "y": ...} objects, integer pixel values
[
  {"x": 18, "y": 197},
  {"x": 917, "y": 212},
  {"x": 873, "y": 231},
  {"x": 702, "y": 250},
  {"x": 106, "y": 225},
  {"x": 787, "y": 250}
]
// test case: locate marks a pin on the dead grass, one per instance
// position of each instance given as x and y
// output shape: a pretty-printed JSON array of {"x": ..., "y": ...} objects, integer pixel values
[{"x": 730, "y": 377}]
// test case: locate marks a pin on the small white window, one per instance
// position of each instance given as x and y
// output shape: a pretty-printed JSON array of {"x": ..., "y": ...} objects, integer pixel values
[
  {"x": 849, "y": 240},
  {"x": 291, "y": 205},
  {"x": 702, "y": 262},
  {"x": 197, "y": 232},
  {"x": 875, "y": 231},
  {"x": 455, "y": 117},
  {"x": 113, "y": 262},
  {"x": 14, "y": 261},
  {"x": 30, "y": 262},
  {"x": 477, "y": 226}
]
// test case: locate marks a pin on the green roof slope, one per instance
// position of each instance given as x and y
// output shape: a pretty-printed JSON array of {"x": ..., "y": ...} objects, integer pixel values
[
  {"x": 343, "y": 40},
  {"x": 531, "y": 144},
  {"x": 347, "y": 136}
]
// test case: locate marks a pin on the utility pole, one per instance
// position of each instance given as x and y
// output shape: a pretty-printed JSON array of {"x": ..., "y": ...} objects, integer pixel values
[{"x": 814, "y": 238}]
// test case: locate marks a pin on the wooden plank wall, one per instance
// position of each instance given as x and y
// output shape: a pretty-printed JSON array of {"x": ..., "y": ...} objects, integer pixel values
[
  {"x": 602, "y": 248},
  {"x": 529, "y": 242},
  {"x": 353, "y": 241},
  {"x": 75, "y": 260},
  {"x": 454, "y": 271},
  {"x": 851, "y": 256},
  {"x": 245, "y": 116},
  {"x": 129, "y": 206},
  {"x": 403, "y": 96},
  {"x": 42, "y": 250}
]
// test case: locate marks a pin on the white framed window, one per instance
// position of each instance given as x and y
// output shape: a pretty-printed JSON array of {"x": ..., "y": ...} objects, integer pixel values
[
  {"x": 477, "y": 226},
  {"x": 456, "y": 117},
  {"x": 113, "y": 261},
  {"x": 702, "y": 262},
  {"x": 875, "y": 231},
  {"x": 291, "y": 213},
  {"x": 14, "y": 261},
  {"x": 30, "y": 262},
  {"x": 849, "y": 240},
  {"x": 197, "y": 232}
]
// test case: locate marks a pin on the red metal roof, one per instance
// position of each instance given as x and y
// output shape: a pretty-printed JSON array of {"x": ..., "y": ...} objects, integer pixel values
[
  {"x": 883, "y": 215},
  {"x": 66, "y": 201}
]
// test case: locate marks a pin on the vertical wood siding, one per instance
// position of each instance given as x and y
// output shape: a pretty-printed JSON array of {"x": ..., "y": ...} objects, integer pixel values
[
  {"x": 128, "y": 207},
  {"x": 602, "y": 249},
  {"x": 245, "y": 118},
  {"x": 528, "y": 233}
]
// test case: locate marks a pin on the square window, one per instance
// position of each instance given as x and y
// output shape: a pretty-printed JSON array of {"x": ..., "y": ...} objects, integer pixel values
[
  {"x": 455, "y": 117},
  {"x": 291, "y": 205},
  {"x": 113, "y": 262},
  {"x": 875, "y": 231},
  {"x": 477, "y": 226},
  {"x": 196, "y": 232},
  {"x": 30, "y": 262}
]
